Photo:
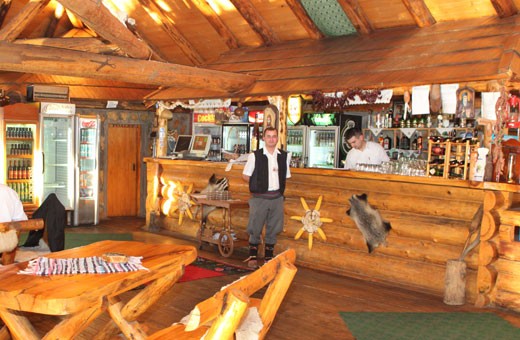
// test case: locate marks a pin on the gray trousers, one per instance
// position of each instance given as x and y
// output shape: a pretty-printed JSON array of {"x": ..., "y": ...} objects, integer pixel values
[{"x": 265, "y": 211}]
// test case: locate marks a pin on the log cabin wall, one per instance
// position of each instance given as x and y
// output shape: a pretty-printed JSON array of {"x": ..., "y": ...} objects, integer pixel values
[
  {"x": 505, "y": 290},
  {"x": 430, "y": 221}
]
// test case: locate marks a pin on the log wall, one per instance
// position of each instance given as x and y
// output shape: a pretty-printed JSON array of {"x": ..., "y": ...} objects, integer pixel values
[{"x": 430, "y": 220}]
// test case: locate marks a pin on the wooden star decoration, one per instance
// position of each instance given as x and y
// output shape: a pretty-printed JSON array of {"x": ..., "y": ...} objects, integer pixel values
[
  {"x": 177, "y": 198},
  {"x": 311, "y": 221}
]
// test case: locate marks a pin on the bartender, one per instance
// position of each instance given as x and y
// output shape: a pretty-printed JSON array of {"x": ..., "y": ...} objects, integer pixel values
[{"x": 363, "y": 152}]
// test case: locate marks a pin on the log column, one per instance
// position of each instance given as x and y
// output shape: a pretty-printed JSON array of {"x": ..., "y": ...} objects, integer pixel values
[{"x": 488, "y": 255}]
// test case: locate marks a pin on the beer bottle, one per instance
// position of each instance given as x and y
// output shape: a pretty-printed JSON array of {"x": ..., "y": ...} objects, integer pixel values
[{"x": 10, "y": 171}]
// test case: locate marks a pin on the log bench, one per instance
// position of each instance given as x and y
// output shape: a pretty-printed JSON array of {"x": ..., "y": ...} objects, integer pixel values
[
  {"x": 19, "y": 226},
  {"x": 228, "y": 306}
]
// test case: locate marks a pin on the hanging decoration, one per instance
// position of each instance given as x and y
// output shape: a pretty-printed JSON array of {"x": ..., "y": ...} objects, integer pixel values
[
  {"x": 338, "y": 101},
  {"x": 502, "y": 110},
  {"x": 311, "y": 221},
  {"x": 176, "y": 198}
]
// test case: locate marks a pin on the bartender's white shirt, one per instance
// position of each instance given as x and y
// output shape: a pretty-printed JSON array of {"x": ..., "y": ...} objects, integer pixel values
[
  {"x": 372, "y": 154},
  {"x": 272, "y": 166},
  {"x": 11, "y": 208}
]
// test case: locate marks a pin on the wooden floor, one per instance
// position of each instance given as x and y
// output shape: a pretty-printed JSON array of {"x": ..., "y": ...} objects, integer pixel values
[{"x": 309, "y": 311}]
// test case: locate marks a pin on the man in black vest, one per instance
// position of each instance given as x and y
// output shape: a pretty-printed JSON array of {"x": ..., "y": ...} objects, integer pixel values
[{"x": 266, "y": 171}]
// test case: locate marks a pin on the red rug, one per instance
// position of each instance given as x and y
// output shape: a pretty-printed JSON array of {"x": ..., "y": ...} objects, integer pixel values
[{"x": 204, "y": 268}]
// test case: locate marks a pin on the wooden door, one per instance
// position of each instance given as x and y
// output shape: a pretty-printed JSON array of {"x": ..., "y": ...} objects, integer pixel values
[{"x": 123, "y": 170}]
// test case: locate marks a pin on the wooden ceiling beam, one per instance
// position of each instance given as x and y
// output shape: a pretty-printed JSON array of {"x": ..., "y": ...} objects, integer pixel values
[
  {"x": 98, "y": 18},
  {"x": 4, "y": 8},
  {"x": 92, "y": 45},
  {"x": 15, "y": 26},
  {"x": 420, "y": 12},
  {"x": 356, "y": 16},
  {"x": 304, "y": 19},
  {"x": 504, "y": 8},
  {"x": 48, "y": 60},
  {"x": 173, "y": 32},
  {"x": 216, "y": 22},
  {"x": 256, "y": 21}
]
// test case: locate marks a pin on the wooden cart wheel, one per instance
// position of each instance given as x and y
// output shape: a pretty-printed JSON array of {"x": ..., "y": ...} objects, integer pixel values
[{"x": 225, "y": 244}]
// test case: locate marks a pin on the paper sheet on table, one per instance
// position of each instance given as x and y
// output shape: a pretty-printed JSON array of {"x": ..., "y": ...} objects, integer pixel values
[
  {"x": 421, "y": 100},
  {"x": 489, "y": 100},
  {"x": 449, "y": 98}
]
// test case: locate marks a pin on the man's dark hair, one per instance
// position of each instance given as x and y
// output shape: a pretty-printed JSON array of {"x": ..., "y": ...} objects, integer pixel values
[
  {"x": 269, "y": 128},
  {"x": 353, "y": 132}
]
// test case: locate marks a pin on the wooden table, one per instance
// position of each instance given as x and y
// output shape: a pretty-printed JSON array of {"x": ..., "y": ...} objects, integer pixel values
[
  {"x": 226, "y": 239},
  {"x": 81, "y": 298}
]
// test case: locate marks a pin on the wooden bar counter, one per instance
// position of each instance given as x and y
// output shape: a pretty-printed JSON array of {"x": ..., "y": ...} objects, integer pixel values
[{"x": 430, "y": 218}]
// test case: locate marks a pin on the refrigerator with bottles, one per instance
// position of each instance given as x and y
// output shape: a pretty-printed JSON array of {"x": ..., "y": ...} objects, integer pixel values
[
  {"x": 87, "y": 163},
  {"x": 235, "y": 138},
  {"x": 323, "y": 146},
  {"x": 204, "y": 123},
  {"x": 19, "y": 153},
  {"x": 297, "y": 144},
  {"x": 58, "y": 152}
]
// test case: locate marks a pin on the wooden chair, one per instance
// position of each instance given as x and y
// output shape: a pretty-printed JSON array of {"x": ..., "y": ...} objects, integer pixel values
[
  {"x": 228, "y": 306},
  {"x": 19, "y": 226}
]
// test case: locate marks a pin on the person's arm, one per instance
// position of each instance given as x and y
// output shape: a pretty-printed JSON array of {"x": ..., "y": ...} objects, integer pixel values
[
  {"x": 289, "y": 156},
  {"x": 249, "y": 167}
]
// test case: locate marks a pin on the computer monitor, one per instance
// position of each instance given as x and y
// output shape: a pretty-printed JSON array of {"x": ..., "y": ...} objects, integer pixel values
[
  {"x": 183, "y": 144},
  {"x": 200, "y": 145}
]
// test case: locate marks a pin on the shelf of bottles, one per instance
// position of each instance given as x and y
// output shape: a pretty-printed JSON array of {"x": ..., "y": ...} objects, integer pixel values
[
  {"x": 87, "y": 162},
  {"x": 450, "y": 158},
  {"x": 19, "y": 151}
]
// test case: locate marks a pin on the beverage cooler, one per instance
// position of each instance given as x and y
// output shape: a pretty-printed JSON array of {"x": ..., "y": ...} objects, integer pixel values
[
  {"x": 215, "y": 131},
  {"x": 236, "y": 138},
  {"x": 86, "y": 188},
  {"x": 323, "y": 146},
  {"x": 297, "y": 144},
  {"x": 20, "y": 150},
  {"x": 57, "y": 144}
]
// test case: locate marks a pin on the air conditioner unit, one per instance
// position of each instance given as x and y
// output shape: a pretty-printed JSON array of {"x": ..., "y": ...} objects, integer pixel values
[{"x": 38, "y": 93}]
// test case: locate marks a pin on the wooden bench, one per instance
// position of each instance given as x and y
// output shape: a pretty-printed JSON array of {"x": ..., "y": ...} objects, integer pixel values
[
  {"x": 19, "y": 226},
  {"x": 228, "y": 306}
]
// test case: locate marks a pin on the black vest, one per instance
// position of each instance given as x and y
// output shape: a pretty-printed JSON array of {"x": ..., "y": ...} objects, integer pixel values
[{"x": 259, "y": 181}]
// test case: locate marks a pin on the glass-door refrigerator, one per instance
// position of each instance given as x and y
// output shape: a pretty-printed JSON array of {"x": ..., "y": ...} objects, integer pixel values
[
  {"x": 57, "y": 144},
  {"x": 235, "y": 138},
  {"x": 297, "y": 144},
  {"x": 322, "y": 146},
  {"x": 87, "y": 189},
  {"x": 20, "y": 150}
]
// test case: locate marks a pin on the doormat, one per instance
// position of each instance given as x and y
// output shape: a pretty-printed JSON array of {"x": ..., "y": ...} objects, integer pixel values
[
  {"x": 203, "y": 268},
  {"x": 431, "y": 326}
]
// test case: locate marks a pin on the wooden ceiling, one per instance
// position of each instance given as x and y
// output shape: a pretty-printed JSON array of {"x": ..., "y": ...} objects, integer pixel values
[{"x": 138, "y": 51}]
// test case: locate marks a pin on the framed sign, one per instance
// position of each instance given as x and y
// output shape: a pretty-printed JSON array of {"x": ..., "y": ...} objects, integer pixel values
[
  {"x": 465, "y": 103},
  {"x": 271, "y": 115}
]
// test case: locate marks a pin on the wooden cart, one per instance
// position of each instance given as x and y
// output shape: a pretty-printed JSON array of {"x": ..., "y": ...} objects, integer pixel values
[{"x": 225, "y": 237}]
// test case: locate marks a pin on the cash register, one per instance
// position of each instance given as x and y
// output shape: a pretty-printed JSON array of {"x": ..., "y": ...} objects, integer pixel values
[{"x": 194, "y": 147}]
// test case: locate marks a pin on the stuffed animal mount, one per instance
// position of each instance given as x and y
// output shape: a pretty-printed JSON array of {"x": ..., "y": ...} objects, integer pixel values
[
  {"x": 312, "y": 221},
  {"x": 369, "y": 221}
]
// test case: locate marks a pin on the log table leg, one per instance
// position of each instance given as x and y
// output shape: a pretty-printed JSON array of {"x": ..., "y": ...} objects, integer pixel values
[
  {"x": 123, "y": 317},
  {"x": 18, "y": 325}
]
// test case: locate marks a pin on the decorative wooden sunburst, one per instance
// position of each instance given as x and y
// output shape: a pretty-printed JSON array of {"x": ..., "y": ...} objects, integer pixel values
[
  {"x": 177, "y": 198},
  {"x": 311, "y": 221}
]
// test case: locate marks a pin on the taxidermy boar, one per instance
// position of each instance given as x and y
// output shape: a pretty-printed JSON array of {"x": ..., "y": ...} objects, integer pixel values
[
  {"x": 369, "y": 221},
  {"x": 214, "y": 184}
]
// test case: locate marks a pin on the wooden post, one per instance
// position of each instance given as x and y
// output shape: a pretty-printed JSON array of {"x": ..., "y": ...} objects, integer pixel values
[{"x": 455, "y": 282}]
